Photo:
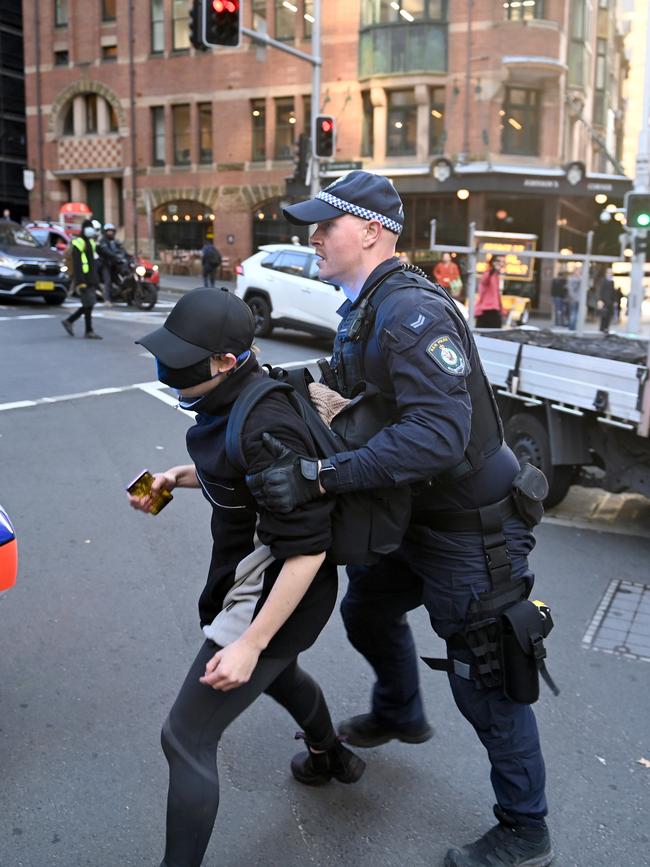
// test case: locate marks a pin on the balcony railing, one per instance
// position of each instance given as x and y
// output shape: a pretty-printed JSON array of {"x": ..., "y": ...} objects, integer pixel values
[{"x": 398, "y": 48}]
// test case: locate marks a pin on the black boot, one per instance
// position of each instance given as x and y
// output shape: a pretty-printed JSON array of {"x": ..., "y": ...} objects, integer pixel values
[
  {"x": 365, "y": 730},
  {"x": 508, "y": 843},
  {"x": 316, "y": 769}
]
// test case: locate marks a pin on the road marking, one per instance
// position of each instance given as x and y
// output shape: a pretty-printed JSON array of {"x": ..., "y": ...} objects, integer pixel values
[{"x": 28, "y": 316}]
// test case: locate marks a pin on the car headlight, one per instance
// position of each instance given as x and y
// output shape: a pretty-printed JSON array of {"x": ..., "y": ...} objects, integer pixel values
[
  {"x": 154, "y": 268},
  {"x": 8, "y": 262},
  {"x": 140, "y": 270},
  {"x": 9, "y": 272},
  {"x": 63, "y": 269}
]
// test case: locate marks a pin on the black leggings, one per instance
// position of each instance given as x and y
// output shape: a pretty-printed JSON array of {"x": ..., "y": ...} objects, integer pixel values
[
  {"x": 88, "y": 317},
  {"x": 192, "y": 731}
]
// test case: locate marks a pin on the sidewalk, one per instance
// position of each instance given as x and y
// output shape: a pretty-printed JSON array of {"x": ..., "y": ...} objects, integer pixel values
[{"x": 178, "y": 284}]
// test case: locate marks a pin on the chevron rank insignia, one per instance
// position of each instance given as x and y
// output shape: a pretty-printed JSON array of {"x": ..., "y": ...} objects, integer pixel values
[{"x": 447, "y": 356}]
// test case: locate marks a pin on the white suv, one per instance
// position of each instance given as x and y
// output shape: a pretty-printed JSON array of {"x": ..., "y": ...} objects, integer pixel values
[{"x": 280, "y": 284}]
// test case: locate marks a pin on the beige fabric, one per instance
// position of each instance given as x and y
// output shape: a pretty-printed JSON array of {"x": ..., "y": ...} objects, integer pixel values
[{"x": 328, "y": 402}]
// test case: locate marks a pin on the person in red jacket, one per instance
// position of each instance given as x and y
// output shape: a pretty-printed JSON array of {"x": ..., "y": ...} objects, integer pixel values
[
  {"x": 447, "y": 273},
  {"x": 488, "y": 307}
]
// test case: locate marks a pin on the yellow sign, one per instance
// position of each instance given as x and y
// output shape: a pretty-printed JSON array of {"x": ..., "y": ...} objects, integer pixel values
[
  {"x": 508, "y": 246},
  {"x": 44, "y": 284}
]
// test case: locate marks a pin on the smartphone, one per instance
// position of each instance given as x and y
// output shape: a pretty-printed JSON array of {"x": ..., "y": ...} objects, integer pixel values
[{"x": 141, "y": 486}]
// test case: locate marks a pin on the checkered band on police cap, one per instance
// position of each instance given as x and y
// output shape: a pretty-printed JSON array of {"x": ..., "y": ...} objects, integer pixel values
[{"x": 358, "y": 211}]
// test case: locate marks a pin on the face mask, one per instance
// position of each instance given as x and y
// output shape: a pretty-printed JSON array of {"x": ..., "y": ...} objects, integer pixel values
[
  {"x": 185, "y": 377},
  {"x": 89, "y": 232}
]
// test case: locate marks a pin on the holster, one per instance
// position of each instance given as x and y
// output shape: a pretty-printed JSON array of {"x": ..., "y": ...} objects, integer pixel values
[
  {"x": 529, "y": 490},
  {"x": 523, "y": 628}
]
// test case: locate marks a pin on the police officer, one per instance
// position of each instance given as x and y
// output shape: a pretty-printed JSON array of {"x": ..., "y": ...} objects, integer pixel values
[
  {"x": 86, "y": 279},
  {"x": 444, "y": 438},
  {"x": 110, "y": 252}
]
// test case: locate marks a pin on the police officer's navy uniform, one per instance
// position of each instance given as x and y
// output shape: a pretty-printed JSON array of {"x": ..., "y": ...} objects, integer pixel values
[{"x": 419, "y": 355}]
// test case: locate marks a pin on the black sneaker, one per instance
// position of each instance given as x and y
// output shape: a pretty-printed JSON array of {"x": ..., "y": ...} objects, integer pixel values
[
  {"x": 92, "y": 335},
  {"x": 506, "y": 844},
  {"x": 68, "y": 327},
  {"x": 316, "y": 769},
  {"x": 366, "y": 730}
]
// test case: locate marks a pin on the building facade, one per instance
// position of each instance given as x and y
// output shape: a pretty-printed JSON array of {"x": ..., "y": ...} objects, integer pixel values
[
  {"x": 13, "y": 137},
  {"x": 474, "y": 108}
]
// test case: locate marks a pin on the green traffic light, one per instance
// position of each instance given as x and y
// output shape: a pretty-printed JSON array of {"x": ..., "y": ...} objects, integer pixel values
[{"x": 643, "y": 219}]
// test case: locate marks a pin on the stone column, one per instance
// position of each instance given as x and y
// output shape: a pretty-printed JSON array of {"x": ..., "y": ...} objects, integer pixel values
[
  {"x": 79, "y": 115},
  {"x": 77, "y": 190},
  {"x": 422, "y": 101},
  {"x": 111, "y": 209},
  {"x": 379, "y": 119},
  {"x": 103, "y": 123},
  {"x": 550, "y": 242}
]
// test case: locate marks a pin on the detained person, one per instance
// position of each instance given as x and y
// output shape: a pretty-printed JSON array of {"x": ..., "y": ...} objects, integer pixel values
[{"x": 270, "y": 588}]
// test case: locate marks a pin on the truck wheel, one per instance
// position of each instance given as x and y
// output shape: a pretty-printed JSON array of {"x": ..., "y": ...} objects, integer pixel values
[
  {"x": 261, "y": 314},
  {"x": 528, "y": 439}
]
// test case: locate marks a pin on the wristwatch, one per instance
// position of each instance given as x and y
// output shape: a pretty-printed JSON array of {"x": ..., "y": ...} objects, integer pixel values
[{"x": 327, "y": 476}]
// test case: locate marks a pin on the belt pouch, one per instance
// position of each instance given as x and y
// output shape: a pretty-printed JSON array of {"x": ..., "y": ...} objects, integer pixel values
[
  {"x": 529, "y": 490},
  {"x": 523, "y": 630}
]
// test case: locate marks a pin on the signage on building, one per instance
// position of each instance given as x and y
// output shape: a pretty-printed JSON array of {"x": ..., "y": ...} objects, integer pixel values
[
  {"x": 508, "y": 245},
  {"x": 350, "y": 166}
]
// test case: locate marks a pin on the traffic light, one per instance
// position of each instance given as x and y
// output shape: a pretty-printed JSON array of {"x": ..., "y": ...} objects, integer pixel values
[
  {"x": 195, "y": 24},
  {"x": 302, "y": 149},
  {"x": 637, "y": 210},
  {"x": 324, "y": 136},
  {"x": 222, "y": 22},
  {"x": 640, "y": 245}
]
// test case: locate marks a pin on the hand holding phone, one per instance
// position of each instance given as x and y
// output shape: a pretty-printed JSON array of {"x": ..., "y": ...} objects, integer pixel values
[{"x": 141, "y": 487}]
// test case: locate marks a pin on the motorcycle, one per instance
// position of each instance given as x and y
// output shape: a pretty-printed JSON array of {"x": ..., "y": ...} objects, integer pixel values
[{"x": 128, "y": 284}]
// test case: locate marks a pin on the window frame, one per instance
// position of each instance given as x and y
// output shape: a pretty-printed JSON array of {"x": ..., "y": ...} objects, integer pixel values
[
  {"x": 384, "y": 14},
  {"x": 286, "y": 151},
  {"x": 206, "y": 155},
  {"x": 409, "y": 112},
  {"x": 437, "y": 142},
  {"x": 280, "y": 11},
  {"x": 258, "y": 130},
  {"x": 180, "y": 26},
  {"x": 61, "y": 13},
  {"x": 182, "y": 108},
  {"x": 519, "y": 12},
  {"x": 532, "y": 112},
  {"x": 158, "y": 135},
  {"x": 106, "y": 13},
  {"x": 157, "y": 27}
]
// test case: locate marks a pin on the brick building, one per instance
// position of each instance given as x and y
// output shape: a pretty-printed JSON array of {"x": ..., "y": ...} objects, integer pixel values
[
  {"x": 474, "y": 108},
  {"x": 13, "y": 139}
]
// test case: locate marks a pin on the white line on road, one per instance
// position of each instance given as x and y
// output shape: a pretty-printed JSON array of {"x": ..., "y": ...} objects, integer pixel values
[{"x": 28, "y": 316}]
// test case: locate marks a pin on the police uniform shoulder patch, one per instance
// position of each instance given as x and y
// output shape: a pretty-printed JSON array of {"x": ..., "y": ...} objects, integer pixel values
[{"x": 447, "y": 355}]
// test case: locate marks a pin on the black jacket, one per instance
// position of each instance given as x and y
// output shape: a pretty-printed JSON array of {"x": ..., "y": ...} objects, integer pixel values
[{"x": 236, "y": 517}]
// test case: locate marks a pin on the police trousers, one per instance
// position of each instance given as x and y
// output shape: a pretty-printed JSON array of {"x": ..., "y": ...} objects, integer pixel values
[{"x": 445, "y": 572}]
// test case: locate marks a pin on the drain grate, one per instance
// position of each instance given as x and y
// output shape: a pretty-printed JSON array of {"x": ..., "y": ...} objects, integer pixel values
[{"x": 622, "y": 622}]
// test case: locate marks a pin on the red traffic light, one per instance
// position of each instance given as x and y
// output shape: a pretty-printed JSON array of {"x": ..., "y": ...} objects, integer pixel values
[
  {"x": 225, "y": 6},
  {"x": 324, "y": 136},
  {"x": 326, "y": 125}
]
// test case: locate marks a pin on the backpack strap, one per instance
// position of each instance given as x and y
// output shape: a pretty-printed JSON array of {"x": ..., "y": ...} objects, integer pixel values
[{"x": 242, "y": 408}]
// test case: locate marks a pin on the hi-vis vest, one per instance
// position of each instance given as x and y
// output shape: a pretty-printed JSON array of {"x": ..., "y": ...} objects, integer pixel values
[{"x": 79, "y": 243}]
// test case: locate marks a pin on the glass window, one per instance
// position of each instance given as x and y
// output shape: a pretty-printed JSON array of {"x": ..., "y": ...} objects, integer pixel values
[
  {"x": 520, "y": 122},
  {"x": 91, "y": 113},
  {"x": 61, "y": 58},
  {"x": 368, "y": 126},
  {"x": 524, "y": 10},
  {"x": 408, "y": 11},
  {"x": 181, "y": 134},
  {"x": 285, "y": 20},
  {"x": 158, "y": 136},
  {"x": 577, "y": 43},
  {"x": 258, "y": 127},
  {"x": 291, "y": 263},
  {"x": 402, "y": 123},
  {"x": 109, "y": 52},
  {"x": 259, "y": 15},
  {"x": 600, "y": 82},
  {"x": 60, "y": 13},
  {"x": 205, "y": 132},
  {"x": 180, "y": 25},
  {"x": 285, "y": 122},
  {"x": 437, "y": 134},
  {"x": 109, "y": 10},
  {"x": 157, "y": 26},
  {"x": 307, "y": 18},
  {"x": 113, "y": 122},
  {"x": 68, "y": 120}
]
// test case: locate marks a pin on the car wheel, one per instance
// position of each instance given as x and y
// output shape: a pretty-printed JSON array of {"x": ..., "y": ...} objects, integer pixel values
[
  {"x": 528, "y": 439},
  {"x": 145, "y": 296},
  {"x": 261, "y": 311},
  {"x": 54, "y": 300}
]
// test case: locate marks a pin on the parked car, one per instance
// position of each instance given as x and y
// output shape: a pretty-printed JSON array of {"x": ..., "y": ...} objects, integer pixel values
[
  {"x": 28, "y": 269},
  {"x": 281, "y": 286}
]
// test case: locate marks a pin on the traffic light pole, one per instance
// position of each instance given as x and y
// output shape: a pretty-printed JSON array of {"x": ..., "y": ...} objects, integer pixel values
[{"x": 641, "y": 185}]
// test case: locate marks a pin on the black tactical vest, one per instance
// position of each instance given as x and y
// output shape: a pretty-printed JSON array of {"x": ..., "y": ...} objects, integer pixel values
[{"x": 350, "y": 353}]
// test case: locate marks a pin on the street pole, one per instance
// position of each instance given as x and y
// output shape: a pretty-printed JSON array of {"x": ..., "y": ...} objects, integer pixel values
[
  {"x": 641, "y": 185},
  {"x": 468, "y": 82},
  {"x": 471, "y": 273},
  {"x": 314, "y": 186},
  {"x": 584, "y": 285}
]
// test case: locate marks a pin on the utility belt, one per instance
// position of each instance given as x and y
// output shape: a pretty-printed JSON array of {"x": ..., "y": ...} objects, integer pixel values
[{"x": 504, "y": 630}]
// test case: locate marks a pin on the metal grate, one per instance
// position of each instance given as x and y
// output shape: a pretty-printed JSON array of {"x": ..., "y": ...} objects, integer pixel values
[{"x": 621, "y": 623}]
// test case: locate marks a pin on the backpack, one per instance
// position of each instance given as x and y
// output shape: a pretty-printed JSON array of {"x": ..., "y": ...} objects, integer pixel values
[{"x": 365, "y": 524}]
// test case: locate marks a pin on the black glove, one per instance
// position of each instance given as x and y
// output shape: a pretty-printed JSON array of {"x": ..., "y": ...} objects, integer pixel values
[{"x": 289, "y": 482}]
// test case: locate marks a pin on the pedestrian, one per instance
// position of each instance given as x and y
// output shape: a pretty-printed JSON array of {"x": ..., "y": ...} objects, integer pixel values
[
  {"x": 444, "y": 437},
  {"x": 6, "y": 215},
  {"x": 86, "y": 279},
  {"x": 111, "y": 255},
  {"x": 488, "y": 308},
  {"x": 559, "y": 294},
  {"x": 447, "y": 273},
  {"x": 270, "y": 589},
  {"x": 607, "y": 297},
  {"x": 574, "y": 290},
  {"x": 210, "y": 261},
  {"x": 295, "y": 240}
]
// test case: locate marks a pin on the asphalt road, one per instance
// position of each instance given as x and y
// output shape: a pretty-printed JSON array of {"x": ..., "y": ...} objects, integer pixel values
[{"x": 100, "y": 629}]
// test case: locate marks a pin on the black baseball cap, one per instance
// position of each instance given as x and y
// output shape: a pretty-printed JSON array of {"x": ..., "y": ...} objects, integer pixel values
[
  {"x": 204, "y": 322},
  {"x": 371, "y": 197}
]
